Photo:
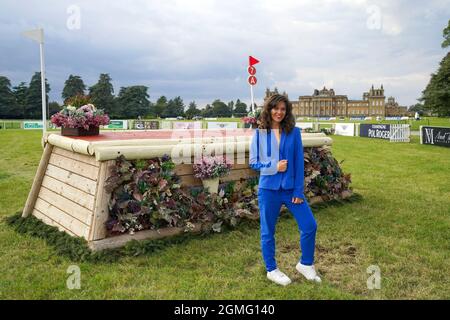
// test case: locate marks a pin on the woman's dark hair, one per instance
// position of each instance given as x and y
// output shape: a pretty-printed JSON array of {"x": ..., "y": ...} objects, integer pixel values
[{"x": 265, "y": 119}]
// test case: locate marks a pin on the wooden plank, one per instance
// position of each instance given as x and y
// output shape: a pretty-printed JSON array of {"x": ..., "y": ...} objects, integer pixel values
[
  {"x": 190, "y": 180},
  {"x": 81, "y": 168},
  {"x": 236, "y": 175},
  {"x": 72, "y": 179},
  {"x": 37, "y": 181},
  {"x": 186, "y": 169},
  {"x": 71, "y": 208},
  {"x": 62, "y": 218},
  {"x": 101, "y": 210},
  {"x": 76, "y": 195},
  {"x": 76, "y": 156},
  {"x": 39, "y": 215},
  {"x": 121, "y": 240}
]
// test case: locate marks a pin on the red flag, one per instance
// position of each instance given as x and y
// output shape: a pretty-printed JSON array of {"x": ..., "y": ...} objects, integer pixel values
[{"x": 252, "y": 61}]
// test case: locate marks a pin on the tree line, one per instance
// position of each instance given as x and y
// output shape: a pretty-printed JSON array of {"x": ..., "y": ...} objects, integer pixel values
[
  {"x": 25, "y": 102},
  {"x": 436, "y": 96}
]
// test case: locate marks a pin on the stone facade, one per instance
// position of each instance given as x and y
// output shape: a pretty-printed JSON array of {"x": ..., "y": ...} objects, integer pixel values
[{"x": 325, "y": 103}]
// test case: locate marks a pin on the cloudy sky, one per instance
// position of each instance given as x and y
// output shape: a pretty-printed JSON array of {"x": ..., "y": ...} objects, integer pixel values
[{"x": 198, "y": 49}]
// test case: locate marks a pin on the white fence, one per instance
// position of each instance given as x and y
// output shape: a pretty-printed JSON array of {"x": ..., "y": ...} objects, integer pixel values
[{"x": 400, "y": 133}]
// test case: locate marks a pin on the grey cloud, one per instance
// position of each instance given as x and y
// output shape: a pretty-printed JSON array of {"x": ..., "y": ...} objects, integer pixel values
[{"x": 198, "y": 49}]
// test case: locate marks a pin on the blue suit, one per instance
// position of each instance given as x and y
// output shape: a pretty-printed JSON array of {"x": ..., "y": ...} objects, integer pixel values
[{"x": 278, "y": 188}]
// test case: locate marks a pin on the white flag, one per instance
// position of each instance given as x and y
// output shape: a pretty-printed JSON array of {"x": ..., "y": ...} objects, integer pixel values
[{"x": 36, "y": 35}]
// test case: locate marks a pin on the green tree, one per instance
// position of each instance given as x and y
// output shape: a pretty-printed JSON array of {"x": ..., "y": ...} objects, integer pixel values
[
  {"x": 436, "y": 96},
  {"x": 192, "y": 110},
  {"x": 220, "y": 109},
  {"x": 174, "y": 108},
  {"x": 33, "y": 106},
  {"x": 151, "y": 111},
  {"x": 418, "y": 107},
  {"x": 8, "y": 105},
  {"x": 158, "y": 108},
  {"x": 231, "y": 107},
  {"x": 446, "y": 35},
  {"x": 20, "y": 94},
  {"x": 240, "y": 109},
  {"x": 179, "y": 106},
  {"x": 133, "y": 102},
  {"x": 101, "y": 94},
  {"x": 53, "y": 107},
  {"x": 208, "y": 111},
  {"x": 73, "y": 86}
]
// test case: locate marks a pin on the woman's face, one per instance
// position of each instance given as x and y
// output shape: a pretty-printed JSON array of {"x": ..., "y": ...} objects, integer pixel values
[{"x": 278, "y": 112}]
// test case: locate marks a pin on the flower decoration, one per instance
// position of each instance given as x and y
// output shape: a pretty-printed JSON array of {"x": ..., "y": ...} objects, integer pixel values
[
  {"x": 210, "y": 167},
  {"x": 84, "y": 117},
  {"x": 252, "y": 117}
]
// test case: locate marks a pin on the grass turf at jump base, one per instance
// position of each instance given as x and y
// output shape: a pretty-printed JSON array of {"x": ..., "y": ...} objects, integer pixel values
[{"x": 401, "y": 225}]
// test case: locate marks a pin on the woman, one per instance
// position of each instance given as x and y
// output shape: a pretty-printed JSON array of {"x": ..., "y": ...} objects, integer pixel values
[{"x": 277, "y": 152}]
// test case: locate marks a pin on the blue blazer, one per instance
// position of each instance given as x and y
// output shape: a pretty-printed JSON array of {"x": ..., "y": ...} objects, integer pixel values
[{"x": 265, "y": 154}]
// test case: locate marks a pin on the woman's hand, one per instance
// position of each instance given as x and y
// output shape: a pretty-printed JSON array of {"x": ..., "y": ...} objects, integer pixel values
[
  {"x": 282, "y": 165},
  {"x": 297, "y": 200}
]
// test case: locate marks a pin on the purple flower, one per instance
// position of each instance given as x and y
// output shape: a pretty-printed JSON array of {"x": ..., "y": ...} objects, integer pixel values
[
  {"x": 83, "y": 117},
  {"x": 165, "y": 158},
  {"x": 134, "y": 206},
  {"x": 211, "y": 167}
]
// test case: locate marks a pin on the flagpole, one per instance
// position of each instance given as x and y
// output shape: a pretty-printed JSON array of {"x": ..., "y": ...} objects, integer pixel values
[
  {"x": 251, "y": 62},
  {"x": 43, "y": 89},
  {"x": 251, "y": 94},
  {"x": 38, "y": 36}
]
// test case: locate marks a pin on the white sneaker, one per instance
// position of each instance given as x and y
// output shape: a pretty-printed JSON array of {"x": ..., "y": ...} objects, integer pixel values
[
  {"x": 308, "y": 272},
  {"x": 278, "y": 277}
]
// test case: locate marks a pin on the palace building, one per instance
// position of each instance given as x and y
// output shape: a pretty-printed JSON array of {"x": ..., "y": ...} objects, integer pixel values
[{"x": 325, "y": 103}]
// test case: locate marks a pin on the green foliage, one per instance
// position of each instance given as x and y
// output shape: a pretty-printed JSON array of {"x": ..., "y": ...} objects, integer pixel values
[
  {"x": 446, "y": 35},
  {"x": 20, "y": 94},
  {"x": 323, "y": 175},
  {"x": 8, "y": 105},
  {"x": 418, "y": 107},
  {"x": 33, "y": 106},
  {"x": 102, "y": 94},
  {"x": 207, "y": 111},
  {"x": 77, "y": 250},
  {"x": 220, "y": 109},
  {"x": 158, "y": 108},
  {"x": 78, "y": 100},
  {"x": 436, "y": 96},
  {"x": 146, "y": 194},
  {"x": 74, "y": 248},
  {"x": 53, "y": 107},
  {"x": 192, "y": 110},
  {"x": 240, "y": 109},
  {"x": 132, "y": 102},
  {"x": 174, "y": 108},
  {"x": 252, "y": 182},
  {"x": 73, "y": 86}
]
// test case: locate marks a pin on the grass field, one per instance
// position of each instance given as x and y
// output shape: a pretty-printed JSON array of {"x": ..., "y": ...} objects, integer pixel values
[{"x": 401, "y": 225}]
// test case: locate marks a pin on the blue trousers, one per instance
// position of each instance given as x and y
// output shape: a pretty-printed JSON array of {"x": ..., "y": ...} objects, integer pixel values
[{"x": 270, "y": 202}]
